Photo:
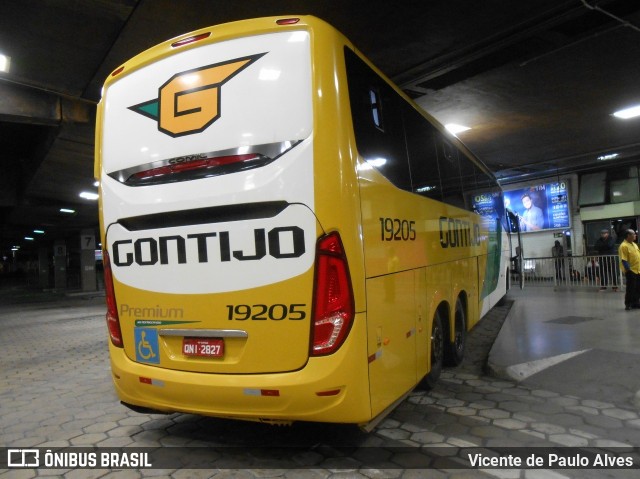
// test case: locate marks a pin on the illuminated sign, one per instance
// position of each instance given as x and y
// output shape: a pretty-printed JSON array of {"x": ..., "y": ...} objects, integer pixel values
[{"x": 538, "y": 207}]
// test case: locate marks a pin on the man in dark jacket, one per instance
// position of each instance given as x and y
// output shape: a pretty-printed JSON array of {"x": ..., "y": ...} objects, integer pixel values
[{"x": 606, "y": 247}]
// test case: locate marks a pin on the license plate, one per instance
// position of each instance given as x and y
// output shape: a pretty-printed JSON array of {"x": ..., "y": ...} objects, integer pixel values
[{"x": 203, "y": 347}]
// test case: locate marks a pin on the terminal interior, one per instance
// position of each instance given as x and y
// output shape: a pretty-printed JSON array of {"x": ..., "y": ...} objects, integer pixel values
[{"x": 544, "y": 93}]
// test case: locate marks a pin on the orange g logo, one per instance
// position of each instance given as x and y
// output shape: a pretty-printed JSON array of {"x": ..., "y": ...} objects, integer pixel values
[{"x": 189, "y": 102}]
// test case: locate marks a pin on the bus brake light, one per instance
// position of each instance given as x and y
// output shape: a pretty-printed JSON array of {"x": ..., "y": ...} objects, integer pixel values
[
  {"x": 194, "y": 169},
  {"x": 333, "y": 308},
  {"x": 113, "y": 320}
]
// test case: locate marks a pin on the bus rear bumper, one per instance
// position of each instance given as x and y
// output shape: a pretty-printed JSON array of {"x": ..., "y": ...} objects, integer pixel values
[{"x": 328, "y": 389}]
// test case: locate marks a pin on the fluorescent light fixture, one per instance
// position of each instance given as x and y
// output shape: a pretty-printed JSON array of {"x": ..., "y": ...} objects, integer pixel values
[
  {"x": 5, "y": 63},
  {"x": 424, "y": 189},
  {"x": 67, "y": 210},
  {"x": 15, "y": 248},
  {"x": 377, "y": 162},
  {"x": 88, "y": 196},
  {"x": 28, "y": 238},
  {"x": 608, "y": 156},
  {"x": 39, "y": 232},
  {"x": 455, "y": 128},
  {"x": 617, "y": 193},
  {"x": 627, "y": 113}
]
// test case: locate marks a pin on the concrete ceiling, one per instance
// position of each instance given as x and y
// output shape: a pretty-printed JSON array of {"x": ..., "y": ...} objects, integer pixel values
[{"x": 537, "y": 81}]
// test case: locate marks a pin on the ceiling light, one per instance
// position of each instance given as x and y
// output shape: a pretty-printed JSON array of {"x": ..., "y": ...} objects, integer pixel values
[
  {"x": 40, "y": 232},
  {"x": 28, "y": 238},
  {"x": 627, "y": 113},
  {"x": 66, "y": 210},
  {"x": 455, "y": 129},
  {"x": 608, "y": 156},
  {"x": 5, "y": 63},
  {"x": 88, "y": 196}
]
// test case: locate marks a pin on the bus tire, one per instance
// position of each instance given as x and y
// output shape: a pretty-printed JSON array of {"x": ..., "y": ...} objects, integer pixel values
[
  {"x": 437, "y": 353},
  {"x": 454, "y": 352}
]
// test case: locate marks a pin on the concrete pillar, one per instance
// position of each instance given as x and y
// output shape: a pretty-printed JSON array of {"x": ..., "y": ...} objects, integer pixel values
[
  {"x": 88, "y": 260},
  {"x": 43, "y": 268},
  {"x": 60, "y": 264}
]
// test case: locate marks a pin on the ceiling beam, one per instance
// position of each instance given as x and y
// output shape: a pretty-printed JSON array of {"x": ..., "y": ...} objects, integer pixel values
[{"x": 22, "y": 104}]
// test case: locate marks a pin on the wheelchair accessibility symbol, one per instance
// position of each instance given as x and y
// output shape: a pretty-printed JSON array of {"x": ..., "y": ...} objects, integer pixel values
[{"x": 147, "y": 349}]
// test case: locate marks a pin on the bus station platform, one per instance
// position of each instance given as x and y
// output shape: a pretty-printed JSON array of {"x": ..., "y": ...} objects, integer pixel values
[
  {"x": 580, "y": 342},
  {"x": 545, "y": 371}
]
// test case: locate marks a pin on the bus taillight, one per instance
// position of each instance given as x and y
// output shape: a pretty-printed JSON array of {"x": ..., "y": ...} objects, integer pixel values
[
  {"x": 113, "y": 321},
  {"x": 333, "y": 307}
]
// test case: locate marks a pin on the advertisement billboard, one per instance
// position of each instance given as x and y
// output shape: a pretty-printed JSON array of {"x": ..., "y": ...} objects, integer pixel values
[{"x": 539, "y": 207}]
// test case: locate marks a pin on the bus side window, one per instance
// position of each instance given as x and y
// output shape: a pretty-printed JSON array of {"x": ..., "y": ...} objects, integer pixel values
[
  {"x": 450, "y": 177},
  {"x": 376, "y": 111},
  {"x": 377, "y": 121},
  {"x": 423, "y": 159}
]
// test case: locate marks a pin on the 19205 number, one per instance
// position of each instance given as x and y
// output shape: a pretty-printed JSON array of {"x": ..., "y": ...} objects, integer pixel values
[
  {"x": 263, "y": 312},
  {"x": 394, "y": 229}
]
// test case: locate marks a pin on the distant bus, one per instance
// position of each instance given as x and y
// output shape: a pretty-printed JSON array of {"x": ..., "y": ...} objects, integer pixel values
[{"x": 287, "y": 236}]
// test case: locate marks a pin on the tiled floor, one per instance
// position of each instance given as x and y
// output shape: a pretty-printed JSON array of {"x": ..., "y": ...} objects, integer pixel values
[{"x": 56, "y": 391}]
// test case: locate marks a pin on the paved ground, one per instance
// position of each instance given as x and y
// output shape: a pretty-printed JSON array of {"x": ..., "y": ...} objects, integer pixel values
[
  {"x": 56, "y": 391},
  {"x": 579, "y": 342}
]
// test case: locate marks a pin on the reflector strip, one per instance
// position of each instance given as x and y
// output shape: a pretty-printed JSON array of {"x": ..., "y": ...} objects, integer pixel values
[
  {"x": 375, "y": 356},
  {"x": 152, "y": 382},
  {"x": 331, "y": 392},
  {"x": 269, "y": 392},
  {"x": 261, "y": 392}
]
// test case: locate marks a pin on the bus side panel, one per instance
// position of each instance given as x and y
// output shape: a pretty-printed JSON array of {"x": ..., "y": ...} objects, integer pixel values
[
  {"x": 470, "y": 270},
  {"x": 391, "y": 336},
  {"x": 422, "y": 324},
  {"x": 336, "y": 201},
  {"x": 483, "y": 303}
]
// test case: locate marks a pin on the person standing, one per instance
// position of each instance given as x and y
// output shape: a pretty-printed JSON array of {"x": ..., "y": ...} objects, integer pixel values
[
  {"x": 606, "y": 247},
  {"x": 558, "y": 260},
  {"x": 630, "y": 262}
]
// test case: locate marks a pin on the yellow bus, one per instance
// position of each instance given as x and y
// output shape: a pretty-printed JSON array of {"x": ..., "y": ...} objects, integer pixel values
[{"x": 286, "y": 235}]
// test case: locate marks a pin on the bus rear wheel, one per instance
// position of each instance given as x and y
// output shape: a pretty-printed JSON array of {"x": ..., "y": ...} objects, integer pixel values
[
  {"x": 437, "y": 353},
  {"x": 454, "y": 353}
]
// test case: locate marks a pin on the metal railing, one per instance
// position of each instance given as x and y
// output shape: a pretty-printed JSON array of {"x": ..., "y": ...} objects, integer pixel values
[{"x": 572, "y": 271}]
